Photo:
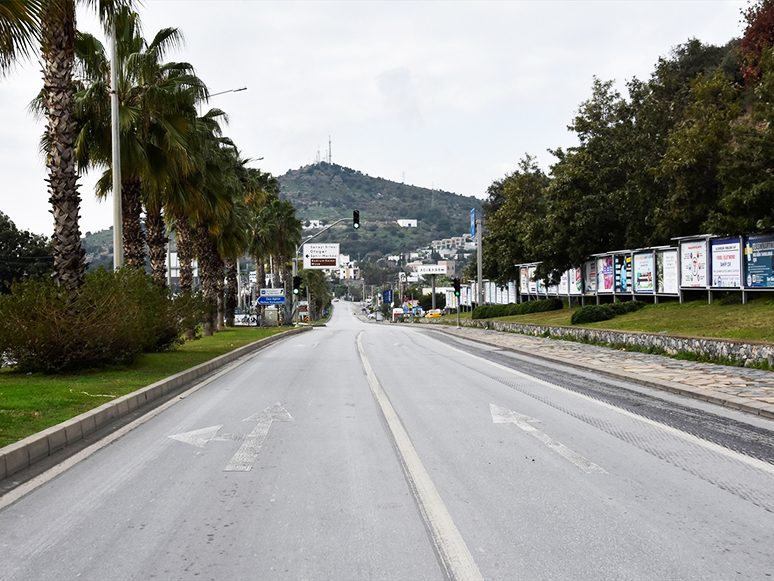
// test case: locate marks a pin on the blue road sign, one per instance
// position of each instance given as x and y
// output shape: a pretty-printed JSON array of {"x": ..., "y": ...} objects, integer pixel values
[
  {"x": 271, "y": 300},
  {"x": 387, "y": 297}
]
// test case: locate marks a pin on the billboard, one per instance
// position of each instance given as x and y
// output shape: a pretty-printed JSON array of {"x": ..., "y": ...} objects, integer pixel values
[
  {"x": 623, "y": 273},
  {"x": 564, "y": 283},
  {"x": 666, "y": 272},
  {"x": 605, "y": 274},
  {"x": 576, "y": 281},
  {"x": 590, "y": 277},
  {"x": 693, "y": 264},
  {"x": 726, "y": 263},
  {"x": 759, "y": 261},
  {"x": 532, "y": 284},
  {"x": 644, "y": 270},
  {"x": 523, "y": 280}
]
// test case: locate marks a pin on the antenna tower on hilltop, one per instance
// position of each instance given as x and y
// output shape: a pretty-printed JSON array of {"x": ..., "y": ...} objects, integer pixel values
[{"x": 330, "y": 154}]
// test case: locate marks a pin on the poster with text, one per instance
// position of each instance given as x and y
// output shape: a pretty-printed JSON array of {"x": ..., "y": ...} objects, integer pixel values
[
  {"x": 759, "y": 260},
  {"x": 524, "y": 280},
  {"x": 623, "y": 273},
  {"x": 532, "y": 283},
  {"x": 693, "y": 264},
  {"x": 590, "y": 277},
  {"x": 726, "y": 263},
  {"x": 666, "y": 272},
  {"x": 644, "y": 267},
  {"x": 564, "y": 284},
  {"x": 576, "y": 281},
  {"x": 605, "y": 275}
]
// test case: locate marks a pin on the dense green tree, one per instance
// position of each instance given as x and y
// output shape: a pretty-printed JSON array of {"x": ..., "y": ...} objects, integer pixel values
[{"x": 22, "y": 254}]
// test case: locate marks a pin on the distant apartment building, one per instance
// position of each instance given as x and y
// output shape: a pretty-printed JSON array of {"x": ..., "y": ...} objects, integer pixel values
[
  {"x": 453, "y": 243},
  {"x": 407, "y": 223}
]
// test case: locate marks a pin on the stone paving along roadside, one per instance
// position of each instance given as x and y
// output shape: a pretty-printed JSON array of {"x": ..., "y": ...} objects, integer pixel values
[{"x": 742, "y": 388}]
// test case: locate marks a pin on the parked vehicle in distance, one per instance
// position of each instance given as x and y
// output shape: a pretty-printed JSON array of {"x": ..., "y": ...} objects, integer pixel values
[{"x": 433, "y": 313}]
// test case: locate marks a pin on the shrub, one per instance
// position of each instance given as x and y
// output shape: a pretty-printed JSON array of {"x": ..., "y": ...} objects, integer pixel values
[
  {"x": 592, "y": 314},
  {"x": 492, "y": 311},
  {"x": 621, "y": 308},
  {"x": 115, "y": 317}
]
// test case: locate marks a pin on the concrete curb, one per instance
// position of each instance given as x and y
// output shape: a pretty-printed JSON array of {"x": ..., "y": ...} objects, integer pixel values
[
  {"x": 26, "y": 452},
  {"x": 747, "y": 405}
]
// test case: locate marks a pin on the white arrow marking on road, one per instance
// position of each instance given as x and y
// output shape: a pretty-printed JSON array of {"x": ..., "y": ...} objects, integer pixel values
[
  {"x": 245, "y": 457},
  {"x": 502, "y": 415}
]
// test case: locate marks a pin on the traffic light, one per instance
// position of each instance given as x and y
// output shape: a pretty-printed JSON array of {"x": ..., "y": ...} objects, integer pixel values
[
  {"x": 456, "y": 283},
  {"x": 356, "y": 219},
  {"x": 296, "y": 285}
]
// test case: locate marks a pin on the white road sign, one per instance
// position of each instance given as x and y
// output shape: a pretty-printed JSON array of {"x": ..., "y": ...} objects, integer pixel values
[
  {"x": 272, "y": 292},
  {"x": 431, "y": 269},
  {"x": 321, "y": 256}
]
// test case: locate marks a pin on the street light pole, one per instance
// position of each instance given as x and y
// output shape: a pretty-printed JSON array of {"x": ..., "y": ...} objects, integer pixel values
[{"x": 118, "y": 224}]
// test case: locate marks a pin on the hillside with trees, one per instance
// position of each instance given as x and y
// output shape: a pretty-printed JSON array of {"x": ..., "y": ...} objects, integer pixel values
[{"x": 328, "y": 192}]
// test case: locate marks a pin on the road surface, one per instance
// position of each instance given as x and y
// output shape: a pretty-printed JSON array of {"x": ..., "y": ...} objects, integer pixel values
[{"x": 377, "y": 451}]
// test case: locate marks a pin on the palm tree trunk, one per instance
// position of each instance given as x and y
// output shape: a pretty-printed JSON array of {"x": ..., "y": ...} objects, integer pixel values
[
  {"x": 157, "y": 245},
  {"x": 131, "y": 209},
  {"x": 221, "y": 290},
  {"x": 184, "y": 253},
  {"x": 209, "y": 284},
  {"x": 231, "y": 291},
  {"x": 58, "y": 28}
]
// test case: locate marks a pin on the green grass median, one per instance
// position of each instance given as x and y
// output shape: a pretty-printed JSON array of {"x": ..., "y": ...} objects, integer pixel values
[{"x": 30, "y": 403}]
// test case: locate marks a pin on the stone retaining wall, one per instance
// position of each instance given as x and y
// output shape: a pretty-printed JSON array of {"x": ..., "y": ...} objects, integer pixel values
[{"x": 746, "y": 352}]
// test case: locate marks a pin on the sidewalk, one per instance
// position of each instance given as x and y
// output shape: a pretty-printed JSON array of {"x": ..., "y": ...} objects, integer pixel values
[{"x": 743, "y": 388}]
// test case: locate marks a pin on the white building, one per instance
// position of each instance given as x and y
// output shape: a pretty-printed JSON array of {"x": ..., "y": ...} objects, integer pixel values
[{"x": 407, "y": 223}]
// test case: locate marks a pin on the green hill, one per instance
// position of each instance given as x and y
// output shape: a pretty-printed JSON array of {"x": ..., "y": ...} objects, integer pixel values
[{"x": 328, "y": 192}]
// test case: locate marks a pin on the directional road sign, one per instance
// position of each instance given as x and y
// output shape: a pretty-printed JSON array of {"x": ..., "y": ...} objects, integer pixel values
[
  {"x": 321, "y": 256},
  {"x": 271, "y": 300}
]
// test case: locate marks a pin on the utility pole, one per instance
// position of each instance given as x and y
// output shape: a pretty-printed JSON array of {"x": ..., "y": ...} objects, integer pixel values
[{"x": 480, "y": 286}]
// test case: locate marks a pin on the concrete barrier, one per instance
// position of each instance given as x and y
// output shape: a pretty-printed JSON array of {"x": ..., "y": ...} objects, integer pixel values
[{"x": 34, "y": 448}]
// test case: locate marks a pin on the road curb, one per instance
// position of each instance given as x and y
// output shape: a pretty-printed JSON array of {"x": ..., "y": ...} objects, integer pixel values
[
  {"x": 34, "y": 448},
  {"x": 743, "y": 404}
]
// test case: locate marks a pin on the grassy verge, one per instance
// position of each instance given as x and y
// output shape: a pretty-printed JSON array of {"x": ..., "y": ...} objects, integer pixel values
[
  {"x": 34, "y": 402},
  {"x": 751, "y": 322}
]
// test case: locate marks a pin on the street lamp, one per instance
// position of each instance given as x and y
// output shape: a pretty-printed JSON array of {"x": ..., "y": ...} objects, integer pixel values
[{"x": 229, "y": 91}]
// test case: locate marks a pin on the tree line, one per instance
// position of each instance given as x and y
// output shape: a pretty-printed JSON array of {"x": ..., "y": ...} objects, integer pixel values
[{"x": 689, "y": 151}]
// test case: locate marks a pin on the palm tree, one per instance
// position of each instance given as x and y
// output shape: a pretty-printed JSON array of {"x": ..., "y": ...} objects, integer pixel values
[
  {"x": 19, "y": 31},
  {"x": 157, "y": 113},
  {"x": 288, "y": 237}
]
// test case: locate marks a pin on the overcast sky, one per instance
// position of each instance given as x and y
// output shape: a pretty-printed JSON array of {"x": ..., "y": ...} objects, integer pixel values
[{"x": 438, "y": 94}]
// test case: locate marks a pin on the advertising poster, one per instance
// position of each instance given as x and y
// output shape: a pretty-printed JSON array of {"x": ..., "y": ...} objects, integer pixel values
[
  {"x": 541, "y": 287},
  {"x": 532, "y": 284},
  {"x": 644, "y": 267},
  {"x": 726, "y": 263},
  {"x": 564, "y": 284},
  {"x": 759, "y": 261},
  {"x": 693, "y": 264},
  {"x": 590, "y": 277},
  {"x": 523, "y": 280},
  {"x": 576, "y": 281},
  {"x": 666, "y": 272},
  {"x": 623, "y": 273},
  {"x": 605, "y": 274}
]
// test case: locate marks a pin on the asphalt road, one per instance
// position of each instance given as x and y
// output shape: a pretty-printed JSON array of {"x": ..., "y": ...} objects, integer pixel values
[{"x": 377, "y": 451}]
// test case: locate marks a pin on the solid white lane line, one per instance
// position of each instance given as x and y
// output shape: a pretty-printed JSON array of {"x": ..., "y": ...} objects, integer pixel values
[{"x": 454, "y": 553}]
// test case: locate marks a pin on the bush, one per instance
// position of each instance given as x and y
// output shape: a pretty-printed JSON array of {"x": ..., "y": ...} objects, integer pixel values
[
  {"x": 592, "y": 314},
  {"x": 114, "y": 317},
  {"x": 621, "y": 308},
  {"x": 492, "y": 311}
]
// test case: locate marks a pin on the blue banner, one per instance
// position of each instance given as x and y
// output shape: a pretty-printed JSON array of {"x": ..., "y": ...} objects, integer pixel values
[{"x": 759, "y": 261}]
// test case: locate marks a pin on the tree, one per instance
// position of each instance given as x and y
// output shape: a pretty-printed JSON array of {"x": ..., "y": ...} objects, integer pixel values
[
  {"x": 157, "y": 112},
  {"x": 22, "y": 254},
  {"x": 758, "y": 38},
  {"x": 58, "y": 38},
  {"x": 19, "y": 31}
]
